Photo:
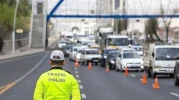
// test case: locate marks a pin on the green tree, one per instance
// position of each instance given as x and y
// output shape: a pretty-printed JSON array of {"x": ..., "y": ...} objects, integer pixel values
[
  {"x": 125, "y": 25},
  {"x": 120, "y": 25},
  {"x": 151, "y": 28},
  {"x": 165, "y": 21},
  {"x": 6, "y": 16}
]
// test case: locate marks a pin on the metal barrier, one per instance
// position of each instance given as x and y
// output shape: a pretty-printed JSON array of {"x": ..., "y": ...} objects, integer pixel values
[{"x": 20, "y": 43}]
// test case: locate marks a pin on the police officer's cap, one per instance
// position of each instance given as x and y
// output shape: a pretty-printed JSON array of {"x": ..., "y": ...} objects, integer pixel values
[{"x": 57, "y": 55}]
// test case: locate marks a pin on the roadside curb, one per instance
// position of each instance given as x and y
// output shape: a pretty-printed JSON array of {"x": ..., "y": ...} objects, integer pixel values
[{"x": 22, "y": 55}]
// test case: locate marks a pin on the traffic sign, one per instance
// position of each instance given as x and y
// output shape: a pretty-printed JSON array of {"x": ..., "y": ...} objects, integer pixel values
[{"x": 19, "y": 31}]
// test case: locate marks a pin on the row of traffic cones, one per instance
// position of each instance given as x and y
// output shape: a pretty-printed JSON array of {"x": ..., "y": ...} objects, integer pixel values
[
  {"x": 144, "y": 79},
  {"x": 89, "y": 65},
  {"x": 126, "y": 73}
]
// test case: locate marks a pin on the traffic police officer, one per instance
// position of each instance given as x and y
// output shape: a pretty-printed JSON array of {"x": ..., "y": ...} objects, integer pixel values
[{"x": 57, "y": 84}]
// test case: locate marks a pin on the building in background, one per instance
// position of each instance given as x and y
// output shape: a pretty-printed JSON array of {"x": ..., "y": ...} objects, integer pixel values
[{"x": 103, "y": 7}]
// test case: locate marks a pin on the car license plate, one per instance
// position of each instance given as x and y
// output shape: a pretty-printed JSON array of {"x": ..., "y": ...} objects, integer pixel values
[
  {"x": 163, "y": 71},
  {"x": 95, "y": 60}
]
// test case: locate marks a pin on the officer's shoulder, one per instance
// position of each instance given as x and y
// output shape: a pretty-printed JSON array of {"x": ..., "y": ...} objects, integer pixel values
[{"x": 68, "y": 72}]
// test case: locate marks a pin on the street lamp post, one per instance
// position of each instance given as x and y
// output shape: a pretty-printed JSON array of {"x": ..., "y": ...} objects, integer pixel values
[{"x": 14, "y": 27}]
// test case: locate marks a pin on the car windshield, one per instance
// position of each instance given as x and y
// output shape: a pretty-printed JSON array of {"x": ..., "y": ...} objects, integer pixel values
[
  {"x": 114, "y": 54},
  {"x": 62, "y": 42},
  {"x": 130, "y": 55},
  {"x": 89, "y": 52},
  {"x": 138, "y": 48},
  {"x": 84, "y": 43},
  {"x": 68, "y": 47},
  {"x": 167, "y": 53},
  {"x": 75, "y": 49},
  {"x": 108, "y": 50},
  {"x": 80, "y": 51},
  {"x": 118, "y": 42},
  {"x": 81, "y": 36},
  {"x": 69, "y": 36}
]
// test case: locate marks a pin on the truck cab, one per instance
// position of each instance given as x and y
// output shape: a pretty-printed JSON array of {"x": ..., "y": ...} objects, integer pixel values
[
  {"x": 117, "y": 41},
  {"x": 160, "y": 59}
]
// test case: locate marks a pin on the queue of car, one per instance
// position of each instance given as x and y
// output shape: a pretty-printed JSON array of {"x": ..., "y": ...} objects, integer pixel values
[{"x": 155, "y": 59}]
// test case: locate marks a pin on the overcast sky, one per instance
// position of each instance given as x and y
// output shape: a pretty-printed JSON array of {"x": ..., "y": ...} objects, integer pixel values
[
  {"x": 72, "y": 5},
  {"x": 150, "y": 6}
]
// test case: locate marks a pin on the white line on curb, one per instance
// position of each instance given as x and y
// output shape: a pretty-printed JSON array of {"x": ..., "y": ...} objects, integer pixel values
[
  {"x": 81, "y": 86},
  {"x": 133, "y": 75},
  {"x": 77, "y": 75},
  {"x": 37, "y": 65},
  {"x": 79, "y": 81},
  {"x": 174, "y": 94},
  {"x": 83, "y": 96}
]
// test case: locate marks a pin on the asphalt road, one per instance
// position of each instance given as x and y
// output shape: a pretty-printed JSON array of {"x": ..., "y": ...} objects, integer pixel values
[{"x": 95, "y": 84}]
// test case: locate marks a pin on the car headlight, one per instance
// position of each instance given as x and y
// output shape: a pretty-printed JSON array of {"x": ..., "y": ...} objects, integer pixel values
[
  {"x": 142, "y": 67},
  {"x": 59, "y": 45},
  {"x": 112, "y": 61},
  {"x": 78, "y": 56},
  {"x": 125, "y": 63},
  {"x": 105, "y": 56}
]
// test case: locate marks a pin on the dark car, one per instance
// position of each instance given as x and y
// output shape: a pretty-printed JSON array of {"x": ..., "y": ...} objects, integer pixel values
[
  {"x": 176, "y": 74},
  {"x": 111, "y": 59},
  {"x": 104, "y": 54},
  {"x": 66, "y": 50}
]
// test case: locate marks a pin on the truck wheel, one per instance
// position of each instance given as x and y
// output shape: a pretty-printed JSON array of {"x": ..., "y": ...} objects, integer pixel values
[
  {"x": 87, "y": 63},
  {"x": 171, "y": 75},
  {"x": 82, "y": 63},
  {"x": 148, "y": 73},
  {"x": 176, "y": 80},
  {"x": 96, "y": 63}
]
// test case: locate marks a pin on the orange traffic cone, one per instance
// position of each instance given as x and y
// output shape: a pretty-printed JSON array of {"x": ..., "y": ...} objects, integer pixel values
[
  {"x": 76, "y": 63},
  {"x": 156, "y": 85},
  {"x": 144, "y": 79},
  {"x": 126, "y": 72},
  {"x": 89, "y": 66},
  {"x": 107, "y": 68}
]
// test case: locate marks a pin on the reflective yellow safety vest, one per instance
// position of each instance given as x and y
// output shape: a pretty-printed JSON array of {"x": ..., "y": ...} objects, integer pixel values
[{"x": 57, "y": 84}]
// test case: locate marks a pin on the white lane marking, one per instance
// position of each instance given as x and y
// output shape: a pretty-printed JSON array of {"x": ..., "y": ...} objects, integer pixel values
[
  {"x": 37, "y": 65},
  {"x": 79, "y": 81},
  {"x": 81, "y": 86},
  {"x": 77, "y": 75},
  {"x": 174, "y": 94},
  {"x": 133, "y": 75},
  {"x": 83, "y": 96},
  {"x": 76, "y": 72},
  {"x": 75, "y": 68}
]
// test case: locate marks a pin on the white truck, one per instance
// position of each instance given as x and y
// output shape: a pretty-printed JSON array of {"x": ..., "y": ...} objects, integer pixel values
[
  {"x": 159, "y": 59},
  {"x": 116, "y": 41}
]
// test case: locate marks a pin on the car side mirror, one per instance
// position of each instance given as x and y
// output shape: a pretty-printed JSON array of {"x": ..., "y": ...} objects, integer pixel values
[{"x": 153, "y": 55}]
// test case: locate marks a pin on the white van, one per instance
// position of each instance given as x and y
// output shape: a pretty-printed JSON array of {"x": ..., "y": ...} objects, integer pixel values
[
  {"x": 160, "y": 59},
  {"x": 69, "y": 37}
]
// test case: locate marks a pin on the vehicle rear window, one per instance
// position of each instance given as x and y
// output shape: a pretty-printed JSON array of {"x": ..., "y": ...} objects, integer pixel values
[
  {"x": 107, "y": 51},
  {"x": 92, "y": 52},
  {"x": 75, "y": 49},
  {"x": 69, "y": 36},
  {"x": 130, "y": 55},
  {"x": 80, "y": 51}
]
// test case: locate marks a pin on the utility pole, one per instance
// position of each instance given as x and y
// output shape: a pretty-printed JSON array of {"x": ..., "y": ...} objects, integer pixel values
[
  {"x": 31, "y": 25},
  {"x": 124, "y": 10},
  {"x": 14, "y": 28}
]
